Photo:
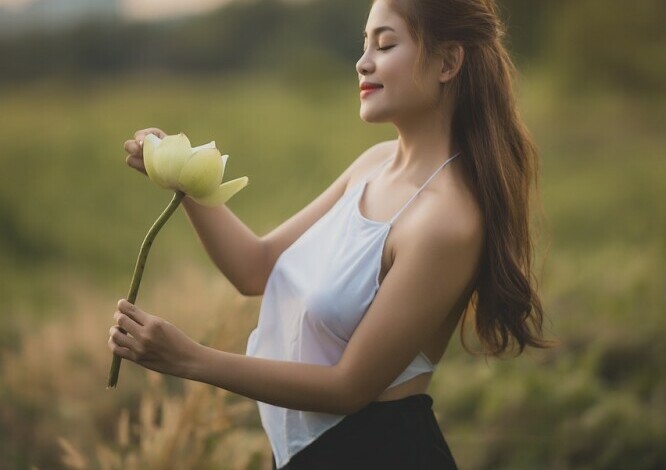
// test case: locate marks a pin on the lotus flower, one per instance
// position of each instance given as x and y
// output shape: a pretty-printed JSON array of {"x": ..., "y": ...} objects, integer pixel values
[
  {"x": 196, "y": 172},
  {"x": 173, "y": 164}
]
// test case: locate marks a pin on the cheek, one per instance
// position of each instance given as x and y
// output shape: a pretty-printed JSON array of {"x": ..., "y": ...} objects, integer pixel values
[
  {"x": 398, "y": 69},
  {"x": 399, "y": 73},
  {"x": 402, "y": 78}
]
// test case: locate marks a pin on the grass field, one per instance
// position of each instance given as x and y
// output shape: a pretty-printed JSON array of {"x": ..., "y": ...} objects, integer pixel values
[{"x": 72, "y": 217}]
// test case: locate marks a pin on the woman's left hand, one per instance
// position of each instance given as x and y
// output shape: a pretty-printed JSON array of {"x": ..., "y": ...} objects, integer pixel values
[{"x": 151, "y": 342}]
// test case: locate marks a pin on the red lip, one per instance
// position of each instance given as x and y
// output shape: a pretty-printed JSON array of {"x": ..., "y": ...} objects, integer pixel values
[{"x": 370, "y": 86}]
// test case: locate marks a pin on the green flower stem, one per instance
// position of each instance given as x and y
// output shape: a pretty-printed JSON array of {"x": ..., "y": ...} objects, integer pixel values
[{"x": 138, "y": 273}]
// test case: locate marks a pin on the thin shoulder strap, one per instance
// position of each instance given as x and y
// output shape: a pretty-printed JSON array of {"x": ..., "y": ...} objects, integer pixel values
[{"x": 421, "y": 188}]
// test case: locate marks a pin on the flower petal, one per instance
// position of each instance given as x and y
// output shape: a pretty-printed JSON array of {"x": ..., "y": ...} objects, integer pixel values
[
  {"x": 202, "y": 173},
  {"x": 150, "y": 144},
  {"x": 170, "y": 157},
  {"x": 224, "y": 163},
  {"x": 223, "y": 193},
  {"x": 209, "y": 145}
]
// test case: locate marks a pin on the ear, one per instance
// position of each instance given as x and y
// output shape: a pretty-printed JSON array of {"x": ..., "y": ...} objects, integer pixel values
[{"x": 452, "y": 59}]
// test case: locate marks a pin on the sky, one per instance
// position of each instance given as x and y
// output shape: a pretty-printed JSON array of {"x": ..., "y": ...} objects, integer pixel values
[
  {"x": 144, "y": 9},
  {"x": 158, "y": 9}
]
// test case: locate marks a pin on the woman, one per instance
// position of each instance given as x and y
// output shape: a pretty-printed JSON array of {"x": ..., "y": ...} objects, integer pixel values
[{"x": 364, "y": 287}]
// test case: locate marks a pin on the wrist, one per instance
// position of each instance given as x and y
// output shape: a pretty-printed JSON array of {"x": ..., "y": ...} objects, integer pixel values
[{"x": 190, "y": 365}]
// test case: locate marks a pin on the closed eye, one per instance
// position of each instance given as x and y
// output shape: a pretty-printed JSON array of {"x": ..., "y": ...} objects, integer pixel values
[{"x": 385, "y": 48}]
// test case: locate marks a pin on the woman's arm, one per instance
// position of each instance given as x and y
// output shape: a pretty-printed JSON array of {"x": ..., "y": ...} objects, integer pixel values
[
  {"x": 244, "y": 258},
  {"x": 232, "y": 246},
  {"x": 295, "y": 385},
  {"x": 247, "y": 260},
  {"x": 156, "y": 344}
]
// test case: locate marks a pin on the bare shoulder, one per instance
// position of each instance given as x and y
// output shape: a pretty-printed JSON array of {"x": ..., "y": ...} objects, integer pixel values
[
  {"x": 449, "y": 217},
  {"x": 370, "y": 158},
  {"x": 446, "y": 242},
  {"x": 458, "y": 214}
]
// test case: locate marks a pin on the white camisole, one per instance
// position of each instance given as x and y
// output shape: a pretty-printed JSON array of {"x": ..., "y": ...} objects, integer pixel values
[{"x": 317, "y": 293}]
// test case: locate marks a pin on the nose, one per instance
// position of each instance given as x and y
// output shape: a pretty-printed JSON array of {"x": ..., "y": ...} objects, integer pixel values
[{"x": 364, "y": 65}]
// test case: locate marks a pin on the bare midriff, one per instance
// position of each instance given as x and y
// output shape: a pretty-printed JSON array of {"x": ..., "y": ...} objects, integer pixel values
[{"x": 413, "y": 386}]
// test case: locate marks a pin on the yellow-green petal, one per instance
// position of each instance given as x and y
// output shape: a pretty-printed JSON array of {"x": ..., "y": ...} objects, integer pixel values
[
  {"x": 223, "y": 193},
  {"x": 150, "y": 144},
  {"x": 224, "y": 164},
  {"x": 209, "y": 145},
  {"x": 202, "y": 173},
  {"x": 170, "y": 157}
]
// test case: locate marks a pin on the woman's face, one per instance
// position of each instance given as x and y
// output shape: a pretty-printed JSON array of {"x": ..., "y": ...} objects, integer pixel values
[{"x": 389, "y": 60}]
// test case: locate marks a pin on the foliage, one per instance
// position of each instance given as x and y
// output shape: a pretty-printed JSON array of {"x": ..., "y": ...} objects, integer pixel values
[
  {"x": 72, "y": 214},
  {"x": 601, "y": 46},
  {"x": 587, "y": 42}
]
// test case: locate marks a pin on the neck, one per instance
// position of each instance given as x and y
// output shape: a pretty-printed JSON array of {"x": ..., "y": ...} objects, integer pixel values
[{"x": 424, "y": 142}]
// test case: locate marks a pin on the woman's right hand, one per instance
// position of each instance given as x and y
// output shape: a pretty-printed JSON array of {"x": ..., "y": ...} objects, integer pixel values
[{"x": 134, "y": 148}]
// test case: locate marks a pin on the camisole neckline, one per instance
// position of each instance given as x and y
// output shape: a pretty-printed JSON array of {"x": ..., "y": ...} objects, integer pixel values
[{"x": 359, "y": 191}]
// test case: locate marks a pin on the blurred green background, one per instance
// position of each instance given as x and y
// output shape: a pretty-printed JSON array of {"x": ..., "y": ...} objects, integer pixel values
[{"x": 274, "y": 84}]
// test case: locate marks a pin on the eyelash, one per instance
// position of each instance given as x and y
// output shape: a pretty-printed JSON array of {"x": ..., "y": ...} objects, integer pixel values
[{"x": 385, "y": 48}]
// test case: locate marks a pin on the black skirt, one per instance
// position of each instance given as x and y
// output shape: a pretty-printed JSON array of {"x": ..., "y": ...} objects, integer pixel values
[{"x": 396, "y": 434}]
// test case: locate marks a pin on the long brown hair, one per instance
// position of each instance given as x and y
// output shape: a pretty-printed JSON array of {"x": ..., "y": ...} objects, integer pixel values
[{"x": 500, "y": 161}]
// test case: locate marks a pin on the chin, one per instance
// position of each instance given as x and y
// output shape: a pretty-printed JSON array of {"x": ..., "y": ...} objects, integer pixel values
[{"x": 373, "y": 117}]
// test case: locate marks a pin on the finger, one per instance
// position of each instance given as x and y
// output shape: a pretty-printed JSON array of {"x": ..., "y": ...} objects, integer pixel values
[
  {"x": 140, "y": 135},
  {"x": 132, "y": 311},
  {"x": 133, "y": 148},
  {"x": 136, "y": 163},
  {"x": 122, "y": 340},
  {"x": 127, "y": 324},
  {"x": 120, "y": 350}
]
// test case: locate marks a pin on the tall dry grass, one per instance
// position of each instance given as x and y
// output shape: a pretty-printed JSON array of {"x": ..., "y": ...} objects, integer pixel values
[{"x": 64, "y": 417}]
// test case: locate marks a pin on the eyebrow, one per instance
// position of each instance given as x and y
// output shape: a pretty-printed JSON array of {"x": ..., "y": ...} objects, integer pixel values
[{"x": 379, "y": 30}]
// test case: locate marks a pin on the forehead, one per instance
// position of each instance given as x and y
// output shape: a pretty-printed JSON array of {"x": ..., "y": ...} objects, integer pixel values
[{"x": 380, "y": 16}]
